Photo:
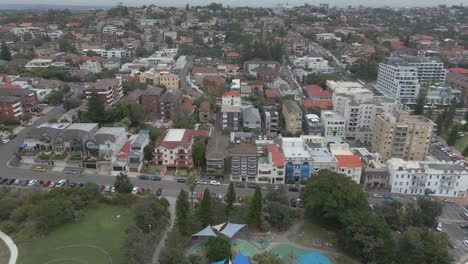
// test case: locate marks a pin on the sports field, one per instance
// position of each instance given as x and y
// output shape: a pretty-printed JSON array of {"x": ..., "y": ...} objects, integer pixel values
[{"x": 97, "y": 237}]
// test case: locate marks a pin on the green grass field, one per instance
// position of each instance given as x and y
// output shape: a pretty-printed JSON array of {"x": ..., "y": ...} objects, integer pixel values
[
  {"x": 4, "y": 252},
  {"x": 98, "y": 237},
  {"x": 462, "y": 143}
]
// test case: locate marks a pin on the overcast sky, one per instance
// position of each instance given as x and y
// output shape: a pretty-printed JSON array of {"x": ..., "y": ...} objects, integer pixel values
[{"x": 267, "y": 3}]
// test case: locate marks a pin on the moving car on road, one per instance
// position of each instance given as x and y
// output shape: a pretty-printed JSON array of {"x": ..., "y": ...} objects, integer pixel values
[
  {"x": 39, "y": 168},
  {"x": 215, "y": 183},
  {"x": 143, "y": 177}
]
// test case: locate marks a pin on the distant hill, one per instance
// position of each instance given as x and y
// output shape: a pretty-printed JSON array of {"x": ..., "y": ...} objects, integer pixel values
[{"x": 46, "y": 7}]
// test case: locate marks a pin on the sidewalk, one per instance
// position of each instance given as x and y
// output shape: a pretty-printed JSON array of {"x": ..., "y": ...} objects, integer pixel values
[{"x": 12, "y": 246}]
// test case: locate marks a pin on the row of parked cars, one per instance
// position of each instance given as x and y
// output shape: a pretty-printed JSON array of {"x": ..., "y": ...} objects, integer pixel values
[
  {"x": 448, "y": 151},
  {"x": 32, "y": 183}
]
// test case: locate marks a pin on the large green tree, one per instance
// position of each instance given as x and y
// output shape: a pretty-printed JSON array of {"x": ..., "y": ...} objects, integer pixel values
[
  {"x": 151, "y": 215},
  {"x": 54, "y": 98},
  {"x": 219, "y": 248},
  {"x": 329, "y": 195},
  {"x": 205, "y": 210},
  {"x": 182, "y": 213},
  {"x": 256, "y": 209},
  {"x": 122, "y": 184},
  {"x": 279, "y": 214},
  {"x": 5, "y": 53},
  {"x": 230, "y": 198},
  {"x": 191, "y": 182},
  {"x": 96, "y": 111},
  {"x": 199, "y": 152},
  {"x": 453, "y": 135}
]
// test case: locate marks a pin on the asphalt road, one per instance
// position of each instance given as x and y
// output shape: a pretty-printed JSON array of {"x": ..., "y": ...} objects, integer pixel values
[{"x": 183, "y": 75}]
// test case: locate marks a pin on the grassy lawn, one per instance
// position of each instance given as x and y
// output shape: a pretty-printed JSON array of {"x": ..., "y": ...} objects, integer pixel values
[
  {"x": 152, "y": 169},
  {"x": 98, "y": 237},
  {"x": 312, "y": 231},
  {"x": 462, "y": 142},
  {"x": 4, "y": 252}
]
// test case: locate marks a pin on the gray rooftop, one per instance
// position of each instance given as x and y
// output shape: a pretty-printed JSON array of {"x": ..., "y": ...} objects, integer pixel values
[
  {"x": 217, "y": 148},
  {"x": 291, "y": 107},
  {"x": 8, "y": 99}
]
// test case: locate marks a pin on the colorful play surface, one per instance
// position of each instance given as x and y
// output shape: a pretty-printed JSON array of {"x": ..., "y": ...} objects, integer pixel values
[
  {"x": 246, "y": 249},
  {"x": 285, "y": 250}
]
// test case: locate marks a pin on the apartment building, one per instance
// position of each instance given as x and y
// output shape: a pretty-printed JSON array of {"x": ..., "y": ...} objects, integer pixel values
[
  {"x": 360, "y": 107},
  {"x": 243, "y": 159},
  {"x": 164, "y": 79},
  {"x": 171, "y": 103},
  {"x": 313, "y": 125},
  {"x": 205, "y": 114},
  {"x": 109, "y": 90},
  {"x": 313, "y": 63},
  {"x": 427, "y": 178},
  {"x": 150, "y": 99},
  {"x": 216, "y": 154},
  {"x": 112, "y": 53},
  {"x": 398, "y": 81},
  {"x": 231, "y": 110},
  {"x": 429, "y": 69},
  {"x": 106, "y": 142},
  {"x": 402, "y": 136},
  {"x": 27, "y": 97},
  {"x": 10, "y": 108},
  {"x": 271, "y": 121},
  {"x": 173, "y": 148},
  {"x": 251, "y": 118},
  {"x": 334, "y": 124},
  {"x": 271, "y": 166},
  {"x": 292, "y": 114}
]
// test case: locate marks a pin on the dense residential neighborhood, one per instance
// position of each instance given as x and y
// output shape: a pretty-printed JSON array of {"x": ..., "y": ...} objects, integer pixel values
[{"x": 219, "y": 134}]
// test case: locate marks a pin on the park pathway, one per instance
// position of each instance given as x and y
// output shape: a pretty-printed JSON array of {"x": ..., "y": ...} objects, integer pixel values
[
  {"x": 12, "y": 246},
  {"x": 160, "y": 246}
]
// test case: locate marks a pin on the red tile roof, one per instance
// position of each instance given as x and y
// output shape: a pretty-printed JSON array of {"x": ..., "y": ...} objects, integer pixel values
[
  {"x": 9, "y": 85},
  {"x": 317, "y": 91},
  {"x": 322, "y": 104},
  {"x": 458, "y": 70},
  {"x": 203, "y": 70},
  {"x": 233, "y": 54},
  {"x": 185, "y": 142},
  {"x": 277, "y": 157},
  {"x": 200, "y": 133},
  {"x": 231, "y": 93},
  {"x": 188, "y": 105},
  {"x": 272, "y": 93},
  {"x": 349, "y": 161},
  {"x": 125, "y": 150}
]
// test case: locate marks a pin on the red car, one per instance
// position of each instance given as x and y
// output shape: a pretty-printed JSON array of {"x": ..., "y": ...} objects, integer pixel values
[
  {"x": 199, "y": 196},
  {"x": 46, "y": 183},
  {"x": 141, "y": 190}
]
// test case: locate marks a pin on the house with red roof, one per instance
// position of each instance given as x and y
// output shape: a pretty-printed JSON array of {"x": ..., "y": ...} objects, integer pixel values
[
  {"x": 232, "y": 57},
  {"x": 350, "y": 165},
  {"x": 317, "y": 92},
  {"x": 272, "y": 95},
  {"x": 271, "y": 166},
  {"x": 322, "y": 104},
  {"x": 9, "y": 85},
  {"x": 173, "y": 149}
]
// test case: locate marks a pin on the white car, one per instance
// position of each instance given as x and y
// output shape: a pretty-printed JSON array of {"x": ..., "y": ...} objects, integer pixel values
[
  {"x": 376, "y": 195},
  {"x": 5, "y": 140},
  {"x": 32, "y": 183},
  {"x": 60, "y": 183},
  {"x": 113, "y": 189},
  {"x": 135, "y": 190},
  {"x": 107, "y": 188},
  {"x": 439, "y": 227},
  {"x": 465, "y": 242},
  {"x": 215, "y": 183},
  {"x": 200, "y": 182}
]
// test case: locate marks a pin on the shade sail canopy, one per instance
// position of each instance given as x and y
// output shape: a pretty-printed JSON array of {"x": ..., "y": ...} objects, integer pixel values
[
  {"x": 231, "y": 229},
  {"x": 313, "y": 258},
  {"x": 219, "y": 262},
  {"x": 240, "y": 259},
  {"x": 219, "y": 227},
  {"x": 207, "y": 232}
]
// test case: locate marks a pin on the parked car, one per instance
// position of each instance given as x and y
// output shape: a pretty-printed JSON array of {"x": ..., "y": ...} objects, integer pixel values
[
  {"x": 39, "y": 168},
  {"x": 113, "y": 189},
  {"x": 388, "y": 197},
  {"x": 4, "y": 180},
  {"x": 252, "y": 185},
  {"x": 293, "y": 189},
  {"x": 73, "y": 185},
  {"x": 199, "y": 196},
  {"x": 5, "y": 140},
  {"x": 464, "y": 225},
  {"x": 181, "y": 180},
  {"x": 12, "y": 180},
  {"x": 465, "y": 215},
  {"x": 215, "y": 183},
  {"x": 135, "y": 190},
  {"x": 143, "y": 177},
  {"x": 465, "y": 242},
  {"x": 60, "y": 183},
  {"x": 46, "y": 183},
  {"x": 52, "y": 184},
  {"x": 156, "y": 178},
  {"x": 202, "y": 182},
  {"x": 439, "y": 227},
  {"x": 24, "y": 182},
  {"x": 107, "y": 188},
  {"x": 240, "y": 185},
  {"x": 17, "y": 182},
  {"x": 293, "y": 202},
  {"x": 159, "y": 191},
  {"x": 141, "y": 190},
  {"x": 32, "y": 183},
  {"x": 376, "y": 195},
  {"x": 300, "y": 203}
]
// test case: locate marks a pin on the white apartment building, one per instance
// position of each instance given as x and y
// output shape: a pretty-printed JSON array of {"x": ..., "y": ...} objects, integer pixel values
[
  {"x": 429, "y": 69},
  {"x": 334, "y": 124},
  {"x": 326, "y": 36},
  {"x": 427, "y": 178},
  {"x": 399, "y": 82},
  {"x": 311, "y": 62},
  {"x": 360, "y": 107},
  {"x": 91, "y": 66},
  {"x": 112, "y": 53},
  {"x": 271, "y": 166}
]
